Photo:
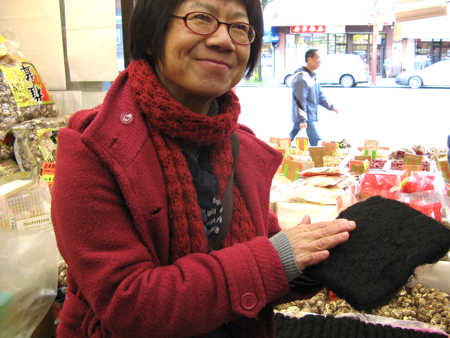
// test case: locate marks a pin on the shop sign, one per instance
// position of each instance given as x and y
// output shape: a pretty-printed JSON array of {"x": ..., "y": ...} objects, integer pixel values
[{"x": 308, "y": 29}]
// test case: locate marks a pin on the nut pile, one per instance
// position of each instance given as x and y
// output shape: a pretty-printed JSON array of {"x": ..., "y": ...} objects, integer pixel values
[
  {"x": 296, "y": 151},
  {"x": 331, "y": 161},
  {"x": 397, "y": 165},
  {"x": 62, "y": 273},
  {"x": 28, "y": 140},
  {"x": 11, "y": 114},
  {"x": 317, "y": 304},
  {"x": 377, "y": 163},
  {"x": 427, "y": 305},
  {"x": 343, "y": 144}
]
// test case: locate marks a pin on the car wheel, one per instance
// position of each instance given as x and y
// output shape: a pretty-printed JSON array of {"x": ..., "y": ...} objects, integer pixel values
[
  {"x": 288, "y": 80},
  {"x": 415, "y": 82},
  {"x": 347, "y": 81}
]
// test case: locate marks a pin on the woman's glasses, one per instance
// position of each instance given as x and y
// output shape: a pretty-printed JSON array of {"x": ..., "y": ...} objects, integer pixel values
[{"x": 204, "y": 24}]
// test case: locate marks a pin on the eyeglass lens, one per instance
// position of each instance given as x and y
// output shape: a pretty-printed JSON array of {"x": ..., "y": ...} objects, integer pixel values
[{"x": 204, "y": 23}]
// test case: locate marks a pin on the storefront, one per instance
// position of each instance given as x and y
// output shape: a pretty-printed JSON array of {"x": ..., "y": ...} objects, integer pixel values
[
  {"x": 424, "y": 41},
  {"x": 354, "y": 40},
  {"x": 429, "y": 51},
  {"x": 336, "y": 31}
]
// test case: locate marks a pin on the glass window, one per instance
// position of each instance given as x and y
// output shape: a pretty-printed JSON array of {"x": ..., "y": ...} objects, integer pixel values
[
  {"x": 360, "y": 39},
  {"x": 331, "y": 44},
  {"x": 292, "y": 57},
  {"x": 445, "y": 51},
  {"x": 423, "y": 47},
  {"x": 119, "y": 37},
  {"x": 341, "y": 49},
  {"x": 320, "y": 42},
  {"x": 381, "y": 39},
  {"x": 341, "y": 38}
]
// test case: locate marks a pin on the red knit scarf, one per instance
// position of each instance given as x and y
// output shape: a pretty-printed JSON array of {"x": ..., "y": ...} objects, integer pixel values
[{"x": 169, "y": 122}]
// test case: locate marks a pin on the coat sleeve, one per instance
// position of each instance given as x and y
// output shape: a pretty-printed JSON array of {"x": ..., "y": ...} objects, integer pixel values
[
  {"x": 127, "y": 290},
  {"x": 322, "y": 99},
  {"x": 300, "y": 91}
]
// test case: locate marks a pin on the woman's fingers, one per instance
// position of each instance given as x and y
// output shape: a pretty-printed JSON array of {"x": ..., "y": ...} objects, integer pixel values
[
  {"x": 306, "y": 220},
  {"x": 311, "y": 242}
]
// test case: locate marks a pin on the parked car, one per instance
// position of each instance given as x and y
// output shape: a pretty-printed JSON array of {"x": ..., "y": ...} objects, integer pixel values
[
  {"x": 345, "y": 69},
  {"x": 436, "y": 75},
  {"x": 362, "y": 54}
]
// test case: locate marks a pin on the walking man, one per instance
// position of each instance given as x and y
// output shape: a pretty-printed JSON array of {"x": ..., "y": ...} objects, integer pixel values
[{"x": 306, "y": 98}]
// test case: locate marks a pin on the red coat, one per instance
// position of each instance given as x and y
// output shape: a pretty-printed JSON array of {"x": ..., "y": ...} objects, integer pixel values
[{"x": 110, "y": 214}]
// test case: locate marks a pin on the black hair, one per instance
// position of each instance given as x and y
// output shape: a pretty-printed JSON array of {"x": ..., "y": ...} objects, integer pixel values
[
  {"x": 150, "y": 20},
  {"x": 310, "y": 53}
]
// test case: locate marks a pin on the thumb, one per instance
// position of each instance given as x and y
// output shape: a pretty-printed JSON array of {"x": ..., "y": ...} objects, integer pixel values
[{"x": 306, "y": 220}]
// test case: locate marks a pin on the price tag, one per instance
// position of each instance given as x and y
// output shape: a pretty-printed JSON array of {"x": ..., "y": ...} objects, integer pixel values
[
  {"x": 291, "y": 170},
  {"x": 411, "y": 159},
  {"x": 330, "y": 148},
  {"x": 411, "y": 168},
  {"x": 360, "y": 167},
  {"x": 364, "y": 158},
  {"x": 48, "y": 174},
  {"x": 282, "y": 150},
  {"x": 302, "y": 143},
  {"x": 371, "y": 148},
  {"x": 317, "y": 154},
  {"x": 285, "y": 143}
]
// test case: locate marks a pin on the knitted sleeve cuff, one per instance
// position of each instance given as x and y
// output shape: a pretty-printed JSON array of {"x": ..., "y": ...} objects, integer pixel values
[{"x": 284, "y": 249}]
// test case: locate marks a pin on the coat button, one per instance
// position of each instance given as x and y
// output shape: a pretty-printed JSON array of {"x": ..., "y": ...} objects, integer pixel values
[
  {"x": 126, "y": 118},
  {"x": 248, "y": 301}
]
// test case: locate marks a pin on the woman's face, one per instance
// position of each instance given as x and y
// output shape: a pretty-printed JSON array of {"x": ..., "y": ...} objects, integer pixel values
[{"x": 202, "y": 67}]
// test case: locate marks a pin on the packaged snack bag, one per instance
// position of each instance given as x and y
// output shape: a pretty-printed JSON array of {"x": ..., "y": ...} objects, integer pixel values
[{"x": 23, "y": 94}]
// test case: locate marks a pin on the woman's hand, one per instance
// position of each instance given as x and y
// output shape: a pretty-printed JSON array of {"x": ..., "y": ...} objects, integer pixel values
[
  {"x": 303, "y": 125},
  {"x": 312, "y": 241}
]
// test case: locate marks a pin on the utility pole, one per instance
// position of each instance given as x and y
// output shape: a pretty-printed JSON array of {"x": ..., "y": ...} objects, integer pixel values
[{"x": 374, "y": 45}]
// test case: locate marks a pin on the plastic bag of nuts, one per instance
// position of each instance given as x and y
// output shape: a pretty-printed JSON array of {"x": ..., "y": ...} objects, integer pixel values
[
  {"x": 35, "y": 142},
  {"x": 7, "y": 148},
  {"x": 23, "y": 94}
]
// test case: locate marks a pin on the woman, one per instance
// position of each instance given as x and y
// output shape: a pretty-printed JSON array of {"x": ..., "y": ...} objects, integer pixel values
[{"x": 141, "y": 188}]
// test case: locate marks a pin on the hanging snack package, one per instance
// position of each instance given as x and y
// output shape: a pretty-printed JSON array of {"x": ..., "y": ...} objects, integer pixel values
[
  {"x": 23, "y": 94},
  {"x": 36, "y": 142}
]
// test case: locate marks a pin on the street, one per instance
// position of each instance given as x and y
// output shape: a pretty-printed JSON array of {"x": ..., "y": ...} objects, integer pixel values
[{"x": 396, "y": 117}]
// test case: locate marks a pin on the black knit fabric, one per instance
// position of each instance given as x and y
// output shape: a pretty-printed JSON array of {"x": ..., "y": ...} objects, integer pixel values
[
  {"x": 391, "y": 239},
  {"x": 317, "y": 326}
]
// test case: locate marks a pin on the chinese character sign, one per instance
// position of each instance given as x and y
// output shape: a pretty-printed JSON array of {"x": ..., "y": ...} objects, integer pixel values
[
  {"x": 308, "y": 29},
  {"x": 24, "y": 81}
]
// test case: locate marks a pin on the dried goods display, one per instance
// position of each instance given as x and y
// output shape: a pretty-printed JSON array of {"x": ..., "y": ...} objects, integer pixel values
[
  {"x": 23, "y": 94},
  {"x": 35, "y": 142},
  {"x": 62, "y": 272},
  {"x": 332, "y": 161},
  {"x": 397, "y": 165},
  {"x": 420, "y": 303},
  {"x": 377, "y": 163},
  {"x": 296, "y": 151},
  {"x": 343, "y": 144}
]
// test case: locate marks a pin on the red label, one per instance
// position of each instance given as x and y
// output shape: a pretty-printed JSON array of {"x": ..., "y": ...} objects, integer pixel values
[{"x": 308, "y": 29}]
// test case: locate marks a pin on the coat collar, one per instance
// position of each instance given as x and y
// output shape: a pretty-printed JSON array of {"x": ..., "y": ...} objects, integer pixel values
[{"x": 118, "y": 131}]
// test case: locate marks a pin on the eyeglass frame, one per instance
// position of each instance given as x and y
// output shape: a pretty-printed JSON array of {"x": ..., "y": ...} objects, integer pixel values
[{"x": 184, "y": 18}]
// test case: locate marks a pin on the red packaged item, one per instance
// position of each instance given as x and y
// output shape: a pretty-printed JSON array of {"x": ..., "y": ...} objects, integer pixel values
[
  {"x": 419, "y": 181},
  {"x": 429, "y": 209},
  {"x": 378, "y": 184}
]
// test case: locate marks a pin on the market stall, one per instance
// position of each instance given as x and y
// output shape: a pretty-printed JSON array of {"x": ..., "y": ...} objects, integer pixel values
[
  {"x": 415, "y": 176},
  {"x": 320, "y": 182},
  {"x": 33, "y": 272}
]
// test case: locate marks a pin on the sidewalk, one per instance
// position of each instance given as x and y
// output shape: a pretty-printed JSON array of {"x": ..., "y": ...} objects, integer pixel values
[{"x": 380, "y": 83}]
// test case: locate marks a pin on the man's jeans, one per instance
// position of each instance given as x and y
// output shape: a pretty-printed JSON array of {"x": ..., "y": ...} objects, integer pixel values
[{"x": 311, "y": 132}]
